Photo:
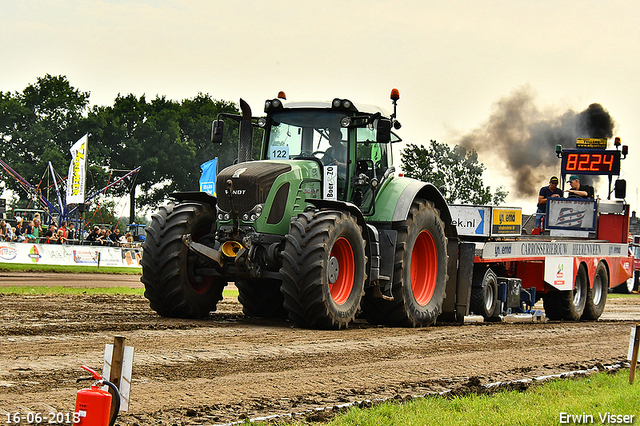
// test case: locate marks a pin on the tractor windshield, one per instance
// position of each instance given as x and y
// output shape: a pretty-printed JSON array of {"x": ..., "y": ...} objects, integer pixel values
[{"x": 303, "y": 133}]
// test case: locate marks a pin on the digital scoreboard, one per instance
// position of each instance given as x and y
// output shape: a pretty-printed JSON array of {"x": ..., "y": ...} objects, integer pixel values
[{"x": 590, "y": 162}]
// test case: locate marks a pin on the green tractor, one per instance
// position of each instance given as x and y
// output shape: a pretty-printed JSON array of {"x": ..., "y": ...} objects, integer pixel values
[{"x": 320, "y": 229}]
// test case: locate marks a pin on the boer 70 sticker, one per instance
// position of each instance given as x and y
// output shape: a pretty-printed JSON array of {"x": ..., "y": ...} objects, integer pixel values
[{"x": 330, "y": 182}]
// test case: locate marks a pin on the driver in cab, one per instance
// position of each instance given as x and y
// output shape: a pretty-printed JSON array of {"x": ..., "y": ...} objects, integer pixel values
[{"x": 337, "y": 152}]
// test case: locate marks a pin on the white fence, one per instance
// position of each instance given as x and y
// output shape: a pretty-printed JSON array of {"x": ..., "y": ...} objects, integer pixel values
[{"x": 62, "y": 254}]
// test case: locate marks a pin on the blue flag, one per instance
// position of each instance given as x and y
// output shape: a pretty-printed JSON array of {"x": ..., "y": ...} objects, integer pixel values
[{"x": 208, "y": 178}]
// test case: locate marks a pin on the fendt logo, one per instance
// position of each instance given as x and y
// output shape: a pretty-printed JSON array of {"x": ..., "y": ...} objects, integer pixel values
[{"x": 237, "y": 192}]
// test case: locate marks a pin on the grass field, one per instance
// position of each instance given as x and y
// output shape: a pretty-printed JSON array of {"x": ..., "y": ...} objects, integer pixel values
[{"x": 601, "y": 398}]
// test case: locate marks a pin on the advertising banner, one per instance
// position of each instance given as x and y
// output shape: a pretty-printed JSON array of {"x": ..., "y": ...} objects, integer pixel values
[
  {"x": 471, "y": 220},
  {"x": 62, "y": 254},
  {"x": 571, "y": 213},
  {"x": 506, "y": 221},
  {"x": 208, "y": 177},
  {"x": 77, "y": 172}
]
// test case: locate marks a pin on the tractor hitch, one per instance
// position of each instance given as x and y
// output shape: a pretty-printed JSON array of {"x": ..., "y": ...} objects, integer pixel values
[{"x": 203, "y": 250}]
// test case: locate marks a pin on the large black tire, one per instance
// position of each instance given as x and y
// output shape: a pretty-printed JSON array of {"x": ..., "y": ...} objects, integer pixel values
[
  {"x": 420, "y": 272},
  {"x": 597, "y": 296},
  {"x": 484, "y": 297},
  {"x": 568, "y": 305},
  {"x": 323, "y": 269},
  {"x": 261, "y": 298},
  {"x": 172, "y": 286}
]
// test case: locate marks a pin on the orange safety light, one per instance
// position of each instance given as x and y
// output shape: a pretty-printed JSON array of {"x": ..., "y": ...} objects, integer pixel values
[
  {"x": 282, "y": 95},
  {"x": 617, "y": 141},
  {"x": 395, "y": 94}
]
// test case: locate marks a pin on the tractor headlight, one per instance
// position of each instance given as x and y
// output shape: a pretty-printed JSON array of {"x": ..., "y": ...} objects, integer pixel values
[
  {"x": 222, "y": 215},
  {"x": 253, "y": 214}
]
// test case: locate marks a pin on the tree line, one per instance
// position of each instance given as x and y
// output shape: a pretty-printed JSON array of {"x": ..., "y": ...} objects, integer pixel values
[{"x": 169, "y": 140}]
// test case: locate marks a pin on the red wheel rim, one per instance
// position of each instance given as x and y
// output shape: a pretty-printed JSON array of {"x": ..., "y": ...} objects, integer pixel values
[
  {"x": 424, "y": 268},
  {"x": 341, "y": 289}
]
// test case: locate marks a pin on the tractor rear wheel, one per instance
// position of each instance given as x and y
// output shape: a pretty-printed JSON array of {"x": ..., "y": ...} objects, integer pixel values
[
  {"x": 568, "y": 305},
  {"x": 323, "y": 269},
  {"x": 261, "y": 298},
  {"x": 170, "y": 274},
  {"x": 420, "y": 272},
  {"x": 597, "y": 296}
]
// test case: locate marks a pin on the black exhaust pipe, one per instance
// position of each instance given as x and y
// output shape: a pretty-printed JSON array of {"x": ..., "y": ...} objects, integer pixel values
[{"x": 246, "y": 133}]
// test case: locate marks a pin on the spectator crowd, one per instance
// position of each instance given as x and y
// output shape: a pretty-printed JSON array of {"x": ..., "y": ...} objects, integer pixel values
[{"x": 33, "y": 231}]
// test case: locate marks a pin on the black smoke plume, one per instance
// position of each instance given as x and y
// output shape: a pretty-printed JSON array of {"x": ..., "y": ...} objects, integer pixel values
[{"x": 521, "y": 139}]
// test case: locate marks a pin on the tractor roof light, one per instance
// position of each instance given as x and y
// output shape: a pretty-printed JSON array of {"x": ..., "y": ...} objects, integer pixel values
[
  {"x": 617, "y": 142},
  {"x": 625, "y": 150},
  {"x": 272, "y": 104},
  {"x": 345, "y": 104},
  {"x": 345, "y": 121},
  {"x": 282, "y": 95},
  {"x": 395, "y": 96}
]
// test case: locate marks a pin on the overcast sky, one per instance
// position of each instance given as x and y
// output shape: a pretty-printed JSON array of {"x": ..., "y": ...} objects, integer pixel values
[{"x": 454, "y": 62}]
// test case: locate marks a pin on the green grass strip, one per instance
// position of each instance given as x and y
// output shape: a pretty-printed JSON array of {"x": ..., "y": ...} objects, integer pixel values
[
  {"x": 61, "y": 290},
  {"x": 590, "y": 400},
  {"x": 621, "y": 296}
]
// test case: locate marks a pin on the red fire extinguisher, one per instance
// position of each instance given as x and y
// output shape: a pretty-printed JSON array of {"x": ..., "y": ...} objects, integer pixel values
[{"x": 93, "y": 405}]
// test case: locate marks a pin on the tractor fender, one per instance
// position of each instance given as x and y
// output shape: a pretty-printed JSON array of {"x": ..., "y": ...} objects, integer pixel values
[
  {"x": 401, "y": 194},
  {"x": 199, "y": 196},
  {"x": 345, "y": 206}
]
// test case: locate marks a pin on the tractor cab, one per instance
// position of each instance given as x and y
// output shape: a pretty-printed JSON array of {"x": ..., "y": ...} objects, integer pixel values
[{"x": 349, "y": 142}]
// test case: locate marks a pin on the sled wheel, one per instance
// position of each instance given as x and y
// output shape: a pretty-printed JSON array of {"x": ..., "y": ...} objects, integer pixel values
[
  {"x": 597, "y": 295},
  {"x": 323, "y": 269},
  {"x": 484, "y": 297},
  {"x": 261, "y": 298},
  {"x": 170, "y": 272},
  {"x": 420, "y": 272},
  {"x": 568, "y": 305}
]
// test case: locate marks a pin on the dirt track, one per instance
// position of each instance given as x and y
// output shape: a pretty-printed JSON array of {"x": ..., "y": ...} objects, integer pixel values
[{"x": 230, "y": 367}]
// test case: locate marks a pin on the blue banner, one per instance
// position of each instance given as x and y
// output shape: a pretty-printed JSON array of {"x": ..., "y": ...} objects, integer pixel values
[{"x": 208, "y": 177}]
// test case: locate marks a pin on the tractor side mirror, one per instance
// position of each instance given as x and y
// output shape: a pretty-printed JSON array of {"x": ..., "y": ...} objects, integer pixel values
[
  {"x": 620, "y": 188},
  {"x": 217, "y": 129},
  {"x": 383, "y": 131}
]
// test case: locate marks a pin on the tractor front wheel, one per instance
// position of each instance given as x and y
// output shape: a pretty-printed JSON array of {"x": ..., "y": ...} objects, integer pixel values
[
  {"x": 170, "y": 271},
  {"x": 323, "y": 269}
]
